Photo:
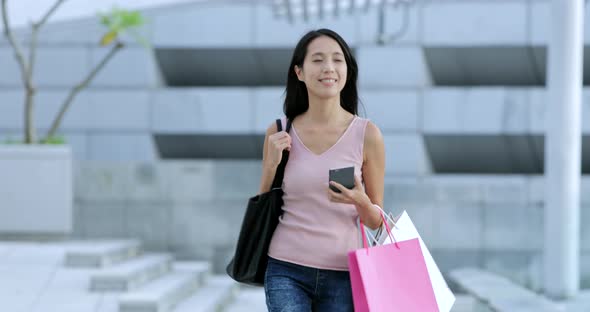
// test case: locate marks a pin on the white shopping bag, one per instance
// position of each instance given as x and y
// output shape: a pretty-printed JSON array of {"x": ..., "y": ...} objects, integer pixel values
[{"x": 404, "y": 230}]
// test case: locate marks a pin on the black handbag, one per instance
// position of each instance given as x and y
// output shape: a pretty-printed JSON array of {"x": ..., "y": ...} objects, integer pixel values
[{"x": 260, "y": 221}]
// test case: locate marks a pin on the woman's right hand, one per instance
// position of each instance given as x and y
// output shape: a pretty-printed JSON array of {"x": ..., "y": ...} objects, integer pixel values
[{"x": 276, "y": 144}]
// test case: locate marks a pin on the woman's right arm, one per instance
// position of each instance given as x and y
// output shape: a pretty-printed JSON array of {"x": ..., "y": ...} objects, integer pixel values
[{"x": 272, "y": 153}]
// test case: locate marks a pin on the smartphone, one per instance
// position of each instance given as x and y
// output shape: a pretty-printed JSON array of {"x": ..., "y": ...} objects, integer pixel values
[{"x": 344, "y": 176}]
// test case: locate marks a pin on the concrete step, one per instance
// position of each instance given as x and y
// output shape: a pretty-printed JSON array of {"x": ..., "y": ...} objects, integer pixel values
[
  {"x": 248, "y": 300},
  {"x": 89, "y": 254},
  {"x": 213, "y": 296},
  {"x": 131, "y": 274},
  {"x": 499, "y": 293},
  {"x": 163, "y": 294},
  {"x": 464, "y": 303}
]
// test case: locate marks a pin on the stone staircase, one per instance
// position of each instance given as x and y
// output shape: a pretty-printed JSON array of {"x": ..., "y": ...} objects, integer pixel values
[{"x": 144, "y": 282}]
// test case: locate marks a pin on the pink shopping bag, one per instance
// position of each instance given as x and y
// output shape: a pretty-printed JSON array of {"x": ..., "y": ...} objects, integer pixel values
[{"x": 391, "y": 278}]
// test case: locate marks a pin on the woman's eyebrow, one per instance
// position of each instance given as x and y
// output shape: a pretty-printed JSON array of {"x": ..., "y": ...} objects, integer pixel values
[{"x": 322, "y": 54}]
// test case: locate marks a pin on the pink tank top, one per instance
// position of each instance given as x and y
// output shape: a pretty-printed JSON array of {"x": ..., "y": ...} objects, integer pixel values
[{"x": 314, "y": 231}]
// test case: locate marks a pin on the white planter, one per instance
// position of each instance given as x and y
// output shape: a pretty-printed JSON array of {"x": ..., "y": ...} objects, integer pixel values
[{"x": 35, "y": 189}]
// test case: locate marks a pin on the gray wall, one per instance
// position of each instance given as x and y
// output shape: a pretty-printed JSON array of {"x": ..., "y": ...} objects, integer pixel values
[
  {"x": 194, "y": 209},
  {"x": 114, "y": 120}
]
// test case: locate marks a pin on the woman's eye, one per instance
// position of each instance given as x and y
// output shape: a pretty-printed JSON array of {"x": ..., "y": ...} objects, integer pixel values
[
  {"x": 317, "y": 61},
  {"x": 338, "y": 61}
]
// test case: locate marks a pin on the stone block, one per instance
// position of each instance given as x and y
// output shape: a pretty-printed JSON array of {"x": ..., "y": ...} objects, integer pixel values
[
  {"x": 539, "y": 22},
  {"x": 104, "y": 220},
  {"x": 226, "y": 26},
  {"x": 176, "y": 110},
  {"x": 10, "y": 74},
  {"x": 130, "y": 67},
  {"x": 399, "y": 190},
  {"x": 470, "y": 23},
  {"x": 268, "y": 106},
  {"x": 585, "y": 189},
  {"x": 226, "y": 110},
  {"x": 412, "y": 161},
  {"x": 118, "y": 110},
  {"x": 61, "y": 67},
  {"x": 449, "y": 259},
  {"x": 78, "y": 220},
  {"x": 513, "y": 227},
  {"x": 11, "y": 108},
  {"x": 77, "y": 141},
  {"x": 70, "y": 62},
  {"x": 149, "y": 223},
  {"x": 460, "y": 226},
  {"x": 398, "y": 67},
  {"x": 515, "y": 265},
  {"x": 121, "y": 147},
  {"x": 392, "y": 110},
  {"x": 537, "y": 190},
  {"x": 148, "y": 183},
  {"x": 508, "y": 190},
  {"x": 191, "y": 223},
  {"x": 95, "y": 182},
  {"x": 238, "y": 180},
  {"x": 457, "y": 188},
  {"x": 477, "y": 110},
  {"x": 36, "y": 194},
  {"x": 78, "y": 32},
  {"x": 538, "y": 102},
  {"x": 190, "y": 181}
]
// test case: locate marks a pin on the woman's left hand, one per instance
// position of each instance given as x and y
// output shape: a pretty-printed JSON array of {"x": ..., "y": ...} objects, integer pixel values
[{"x": 355, "y": 196}]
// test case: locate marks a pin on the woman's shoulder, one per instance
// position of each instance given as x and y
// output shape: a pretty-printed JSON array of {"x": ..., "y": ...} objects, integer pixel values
[{"x": 372, "y": 132}]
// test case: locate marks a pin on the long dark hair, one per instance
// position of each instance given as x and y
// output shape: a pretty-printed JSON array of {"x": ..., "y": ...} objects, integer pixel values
[{"x": 296, "y": 100}]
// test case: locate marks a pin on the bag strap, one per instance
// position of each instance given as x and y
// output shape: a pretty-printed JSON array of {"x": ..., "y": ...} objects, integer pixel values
[{"x": 278, "y": 180}]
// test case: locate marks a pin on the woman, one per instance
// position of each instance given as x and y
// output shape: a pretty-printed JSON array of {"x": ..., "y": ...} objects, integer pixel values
[{"x": 308, "y": 262}]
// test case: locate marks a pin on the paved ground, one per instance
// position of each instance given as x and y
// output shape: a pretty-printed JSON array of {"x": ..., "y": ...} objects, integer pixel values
[{"x": 33, "y": 279}]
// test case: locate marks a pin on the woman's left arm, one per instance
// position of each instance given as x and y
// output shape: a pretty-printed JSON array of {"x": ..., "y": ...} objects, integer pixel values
[{"x": 373, "y": 176}]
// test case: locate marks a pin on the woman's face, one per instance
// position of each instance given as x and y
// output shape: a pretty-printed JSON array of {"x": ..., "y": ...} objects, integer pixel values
[{"x": 324, "y": 68}]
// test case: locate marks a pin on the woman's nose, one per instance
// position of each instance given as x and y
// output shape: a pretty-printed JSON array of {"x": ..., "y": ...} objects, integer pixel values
[{"x": 328, "y": 67}]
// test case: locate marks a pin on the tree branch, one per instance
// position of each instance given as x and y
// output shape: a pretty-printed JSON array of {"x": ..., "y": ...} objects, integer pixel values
[
  {"x": 35, "y": 27},
  {"x": 66, "y": 105},
  {"x": 17, "y": 49},
  {"x": 29, "y": 130},
  {"x": 52, "y": 10}
]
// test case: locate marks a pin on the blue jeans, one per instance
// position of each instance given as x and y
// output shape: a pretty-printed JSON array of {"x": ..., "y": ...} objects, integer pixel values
[{"x": 291, "y": 287}]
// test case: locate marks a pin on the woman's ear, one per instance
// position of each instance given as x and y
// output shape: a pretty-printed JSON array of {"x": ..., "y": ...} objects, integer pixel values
[{"x": 299, "y": 72}]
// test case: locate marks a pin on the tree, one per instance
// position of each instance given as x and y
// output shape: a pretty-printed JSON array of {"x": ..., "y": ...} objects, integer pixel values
[{"x": 117, "y": 21}]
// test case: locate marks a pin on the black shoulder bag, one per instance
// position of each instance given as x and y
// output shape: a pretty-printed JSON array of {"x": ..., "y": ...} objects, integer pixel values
[{"x": 260, "y": 221}]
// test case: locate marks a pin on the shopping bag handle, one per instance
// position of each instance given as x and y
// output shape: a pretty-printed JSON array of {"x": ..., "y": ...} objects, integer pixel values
[{"x": 363, "y": 232}]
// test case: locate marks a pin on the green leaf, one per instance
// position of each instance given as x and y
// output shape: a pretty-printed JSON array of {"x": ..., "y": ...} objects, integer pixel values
[
  {"x": 119, "y": 21},
  {"x": 108, "y": 38},
  {"x": 55, "y": 140}
]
